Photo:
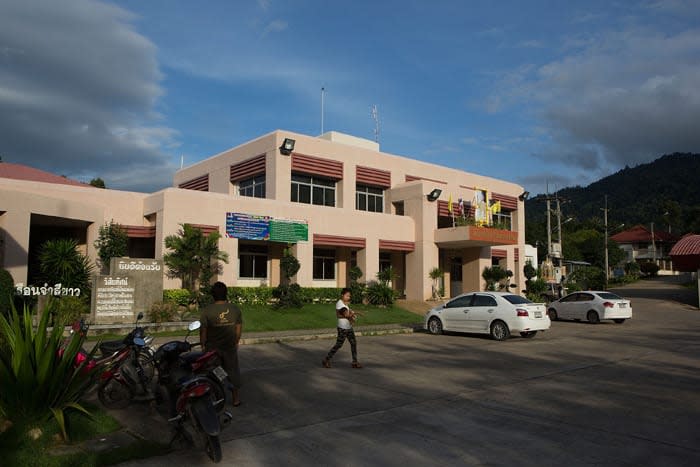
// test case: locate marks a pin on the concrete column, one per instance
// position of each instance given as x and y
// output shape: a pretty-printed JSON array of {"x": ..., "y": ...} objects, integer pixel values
[
  {"x": 275, "y": 254},
  {"x": 304, "y": 251},
  {"x": 343, "y": 261},
  {"x": 229, "y": 273},
  {"x": 418, "y": 264},
  {"x": 368, "y": 260},
  {"x": 474, "y": 262},
  {"x": 16, "y": 225}
]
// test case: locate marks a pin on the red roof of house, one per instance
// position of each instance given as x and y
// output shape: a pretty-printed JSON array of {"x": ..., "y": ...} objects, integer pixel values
[
  {"x": 686, "y": 253},
  {"x": 640, "y": 234},
  {"x": 24, "y": 172}
]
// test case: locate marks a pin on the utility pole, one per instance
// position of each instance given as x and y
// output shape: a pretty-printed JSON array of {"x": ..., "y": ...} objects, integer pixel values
[
  {"x": 561, "y": 247},
  {"x": 607, "y": 269},
  {"x": 653, "y": 245},
  {"x": 549, "y": 228}
]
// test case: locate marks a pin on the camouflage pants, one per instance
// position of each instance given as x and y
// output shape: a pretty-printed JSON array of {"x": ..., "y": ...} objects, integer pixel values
[{"x": 343, "y": 334}]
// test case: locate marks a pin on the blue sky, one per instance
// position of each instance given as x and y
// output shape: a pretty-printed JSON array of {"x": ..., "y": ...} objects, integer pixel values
[{"x": 524, "y": 91}]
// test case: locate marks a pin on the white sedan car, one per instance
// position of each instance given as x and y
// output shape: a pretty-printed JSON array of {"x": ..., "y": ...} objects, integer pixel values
[
  {"x": 592, "y": 306},
  {"x": 495, "y": 313}
]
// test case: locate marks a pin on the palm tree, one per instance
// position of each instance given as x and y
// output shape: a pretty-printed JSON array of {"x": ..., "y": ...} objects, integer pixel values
[
  {"x": 61, "y": 262},
  {"x": 195, "y": 257}
]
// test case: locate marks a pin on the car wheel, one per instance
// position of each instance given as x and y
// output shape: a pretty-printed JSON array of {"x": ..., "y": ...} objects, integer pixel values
[
  {"x": 593, "y": 317},
  {"x": 528, "y": 334},
  {"x": 552, "y": 314},
  {"x": 435, "y": 325},
  {"x": 499, "y": 331},
  {"x": 619, "y": 320}
]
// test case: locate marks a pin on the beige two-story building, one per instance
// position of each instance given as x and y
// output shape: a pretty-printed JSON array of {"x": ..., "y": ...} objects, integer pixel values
[{"x": 336, "y": 200}]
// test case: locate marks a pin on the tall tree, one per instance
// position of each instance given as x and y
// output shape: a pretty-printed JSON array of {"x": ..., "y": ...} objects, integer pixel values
[
  {"x": 97, "y": 182},
  {"x": 112, "y": 242}
]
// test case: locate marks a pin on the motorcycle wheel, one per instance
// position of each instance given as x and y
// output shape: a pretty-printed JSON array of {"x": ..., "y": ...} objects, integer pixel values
[
  {"x": 114, "y": 394},
  {"x": 218, "y": 392},
  {"x": 213, "y": 448},
  {"x": 146, "y": 362}
]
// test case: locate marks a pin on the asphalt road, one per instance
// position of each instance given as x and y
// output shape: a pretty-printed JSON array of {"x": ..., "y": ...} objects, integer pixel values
[{"x": 579, "y": 394}]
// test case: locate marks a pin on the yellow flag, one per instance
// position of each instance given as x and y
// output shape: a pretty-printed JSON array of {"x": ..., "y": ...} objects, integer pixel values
[{"x": 449, "y": 204}]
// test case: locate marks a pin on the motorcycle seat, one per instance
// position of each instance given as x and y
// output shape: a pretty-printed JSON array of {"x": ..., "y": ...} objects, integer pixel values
[
  {"x": 109, "y": 347},
  {"x": 191, "y": 357}
]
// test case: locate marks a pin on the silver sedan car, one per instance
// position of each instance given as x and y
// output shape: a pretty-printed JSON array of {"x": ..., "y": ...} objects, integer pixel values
[{"x": 496, "y": 313}]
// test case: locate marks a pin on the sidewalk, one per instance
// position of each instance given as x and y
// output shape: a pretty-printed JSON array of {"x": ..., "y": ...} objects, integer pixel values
[{"x": 251, "y": 338}]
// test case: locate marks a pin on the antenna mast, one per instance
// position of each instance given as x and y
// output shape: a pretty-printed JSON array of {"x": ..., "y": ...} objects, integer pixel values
[
  {"x": 323, "y": 95},
  {"x": 374, "y": 113}
]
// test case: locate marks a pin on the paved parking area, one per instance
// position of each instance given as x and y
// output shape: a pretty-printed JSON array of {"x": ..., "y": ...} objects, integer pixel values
[{"x": 577, "y": 395}]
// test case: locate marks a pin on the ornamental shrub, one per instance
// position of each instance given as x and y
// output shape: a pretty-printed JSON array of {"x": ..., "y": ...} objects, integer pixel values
[
  {"x": 649, "y": 269},
  {"x": 181, "y": 297},
  {"x": 37, "y": 381},
  {"x": 288, "y": 296},
  {"x": 67, "y": 310},
  {"x": 250, "y": 295},
  {"x": 380, "y": 294},
  {"x": 163, "y": 312}
]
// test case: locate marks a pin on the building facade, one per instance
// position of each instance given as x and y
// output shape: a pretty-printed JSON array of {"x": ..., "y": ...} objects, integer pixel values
[{"x": 357, "y": 206}]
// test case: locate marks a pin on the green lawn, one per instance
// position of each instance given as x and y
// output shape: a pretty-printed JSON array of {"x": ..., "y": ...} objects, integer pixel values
[{"x": 314, "y": 316}]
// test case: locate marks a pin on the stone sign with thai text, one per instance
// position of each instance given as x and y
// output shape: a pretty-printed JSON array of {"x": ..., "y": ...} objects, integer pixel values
[{"x": 133, "y": 285}]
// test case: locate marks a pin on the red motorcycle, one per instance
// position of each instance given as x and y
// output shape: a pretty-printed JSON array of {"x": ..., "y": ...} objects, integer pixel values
[{"x": 129, "y": 371}]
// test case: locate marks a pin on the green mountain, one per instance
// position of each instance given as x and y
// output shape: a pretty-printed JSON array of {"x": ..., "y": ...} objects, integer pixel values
[{"x": 665, "y": 192}]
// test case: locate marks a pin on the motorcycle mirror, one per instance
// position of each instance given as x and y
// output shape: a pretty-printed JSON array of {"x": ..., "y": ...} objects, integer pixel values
[
  {"x": 194, "y": 325},
  {"x": 140, "y": 342},
  {"x": 139, "y": 317}
]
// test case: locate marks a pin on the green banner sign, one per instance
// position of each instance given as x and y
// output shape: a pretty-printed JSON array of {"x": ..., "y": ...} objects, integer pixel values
[{"x": 288, "y": 231}]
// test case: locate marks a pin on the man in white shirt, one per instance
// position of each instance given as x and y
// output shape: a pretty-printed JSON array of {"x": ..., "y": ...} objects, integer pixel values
[{"x": 345, "y": 331}]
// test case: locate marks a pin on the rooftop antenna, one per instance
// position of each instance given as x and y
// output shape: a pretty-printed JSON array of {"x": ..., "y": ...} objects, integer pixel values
[
  {"x": 375, "y": 116},
  {"x": 323, "y": 95}
]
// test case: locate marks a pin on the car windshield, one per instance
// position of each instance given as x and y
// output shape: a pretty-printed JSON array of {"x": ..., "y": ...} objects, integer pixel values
[
  {"x": 609, "y": 296},
  {"x": 517, "y": 299}
]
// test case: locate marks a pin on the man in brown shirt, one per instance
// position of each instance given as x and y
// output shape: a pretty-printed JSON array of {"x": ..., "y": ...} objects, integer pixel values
[{"x": 221, "y": 329}]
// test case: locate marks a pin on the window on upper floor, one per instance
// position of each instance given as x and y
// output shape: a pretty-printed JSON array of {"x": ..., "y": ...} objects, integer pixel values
[
  {"x": 313, "y": 190},
  {"x": 253, "y": 187},
  {"x": 369, "y": 198}
]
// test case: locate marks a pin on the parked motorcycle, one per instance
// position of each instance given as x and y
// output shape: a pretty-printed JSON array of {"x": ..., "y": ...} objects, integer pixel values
[
  {"x": 194, "y": 391},
  {"x": 129, "y": 373}
]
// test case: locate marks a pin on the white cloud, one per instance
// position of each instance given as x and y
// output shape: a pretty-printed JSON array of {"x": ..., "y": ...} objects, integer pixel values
[
  {"x": 79, "y": 97},
  {"x": 275, "y": 26},
  {"x": 626, "y": 97}
]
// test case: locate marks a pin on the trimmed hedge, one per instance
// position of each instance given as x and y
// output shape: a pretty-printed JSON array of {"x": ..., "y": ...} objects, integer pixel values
[
  {"x": 181, "y": 297},
  {"x": 258, "y": 295}
]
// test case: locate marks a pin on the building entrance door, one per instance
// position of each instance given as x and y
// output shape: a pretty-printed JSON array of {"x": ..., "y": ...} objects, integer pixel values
[{"x": 455, "y": 276}]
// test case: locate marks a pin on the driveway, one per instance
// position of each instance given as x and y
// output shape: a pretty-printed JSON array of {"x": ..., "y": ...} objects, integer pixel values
[{"x": 577, "y": 395}]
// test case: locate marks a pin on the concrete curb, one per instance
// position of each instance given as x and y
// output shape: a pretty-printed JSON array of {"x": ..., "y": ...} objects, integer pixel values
[{"x": 322, "y": 335}]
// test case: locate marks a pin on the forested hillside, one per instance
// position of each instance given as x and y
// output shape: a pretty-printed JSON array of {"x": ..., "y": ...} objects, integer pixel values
[{"x": 665, "y": 192}]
